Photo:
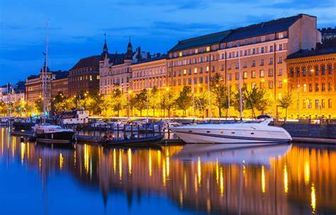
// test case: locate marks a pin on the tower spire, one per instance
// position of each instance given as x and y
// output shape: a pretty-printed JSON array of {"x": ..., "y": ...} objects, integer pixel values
[{"x": 129, "y": 52}]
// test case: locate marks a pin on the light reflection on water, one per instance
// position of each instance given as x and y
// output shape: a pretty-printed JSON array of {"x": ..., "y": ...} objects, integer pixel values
[{"x": 270, "y": 181}]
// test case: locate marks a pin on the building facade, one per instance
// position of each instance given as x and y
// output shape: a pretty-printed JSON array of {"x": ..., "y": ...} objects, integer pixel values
[
  {"x": 115, "y": 69},
  {"x": 60, "y": 84},
  {"x": 34, "y": 87},
  {"x": 57, "y": 82},
  {"x": 312, "y": 83},
  {"x": 84, "y": 76},
  {"x": 148, "y": 74},
  {"x": 253, "y": 55}
]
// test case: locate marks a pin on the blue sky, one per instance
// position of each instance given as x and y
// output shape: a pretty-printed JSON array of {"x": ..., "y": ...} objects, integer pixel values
[{"x": 76, "y": 27}]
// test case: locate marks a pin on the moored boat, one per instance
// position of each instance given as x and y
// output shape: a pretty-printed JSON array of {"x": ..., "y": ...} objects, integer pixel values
[
  {"x": 53, "y": 135},
  {"x": 239, "y": 133}
]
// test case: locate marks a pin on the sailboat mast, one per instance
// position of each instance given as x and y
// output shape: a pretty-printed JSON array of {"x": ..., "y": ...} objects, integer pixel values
[
  {"x": 44, "y": 75},
  {"x": 240, "y": 87}
]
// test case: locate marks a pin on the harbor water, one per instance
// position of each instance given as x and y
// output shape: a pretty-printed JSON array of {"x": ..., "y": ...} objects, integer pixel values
[{"x": 288, "y": 179}]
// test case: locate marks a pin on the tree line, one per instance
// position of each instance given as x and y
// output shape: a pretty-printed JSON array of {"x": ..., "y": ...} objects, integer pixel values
[{"x": 157, "y": 102}]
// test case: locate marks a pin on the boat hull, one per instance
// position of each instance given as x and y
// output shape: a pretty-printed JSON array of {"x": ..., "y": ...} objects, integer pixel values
[{"x": 57, "y": 138}]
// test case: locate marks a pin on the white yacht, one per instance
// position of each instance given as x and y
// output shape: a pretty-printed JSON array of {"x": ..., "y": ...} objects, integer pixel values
[{"x": 239, "y": 134}]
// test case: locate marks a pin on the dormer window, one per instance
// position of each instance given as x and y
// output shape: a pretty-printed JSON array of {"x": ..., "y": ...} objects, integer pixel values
[
  {"x": 180, "y": 54},
  {"x": 208, "y": 48}
]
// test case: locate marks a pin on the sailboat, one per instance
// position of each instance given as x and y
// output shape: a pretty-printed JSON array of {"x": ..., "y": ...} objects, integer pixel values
[
  {"x": 239, "y": 133},
  {"x": 47, "y": 133}
]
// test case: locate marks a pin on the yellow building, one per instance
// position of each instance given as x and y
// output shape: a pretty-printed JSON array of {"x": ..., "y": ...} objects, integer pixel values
[
  {"x": 256, "y": 53},
  {"x": 312, "y": 83}
]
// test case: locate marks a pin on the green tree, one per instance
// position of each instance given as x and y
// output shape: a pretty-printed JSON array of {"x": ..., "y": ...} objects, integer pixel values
[
  {"x": 119, "y": 100},
  {"x": 3, "y": 108},
  {"x": 200, "y": 103},
  {"x": 58, "y": 103},
  {"x": 141, "y": 101},
  {"x": 184, "y": 101},
  {"x": 285, "y": 102},
  {"x": 154, "y": 99},
  {"x": 220, "y": 93},
  {"x": 167, "y": 101},
  {"x": 253, "y": 98}
]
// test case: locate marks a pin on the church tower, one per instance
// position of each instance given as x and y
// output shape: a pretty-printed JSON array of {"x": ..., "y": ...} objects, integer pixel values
[
  {"x": 129, "y": 53},
  {"x": 105, "y": 49}
]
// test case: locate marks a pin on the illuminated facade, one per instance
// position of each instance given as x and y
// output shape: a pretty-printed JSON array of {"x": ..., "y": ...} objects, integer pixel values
[
  {"x": 257, "y": 52},
  {"x": 149, "y": 74},
  {"x": 312, "y": 83},
  {"x": 34, "y": 87},
  {"x": 84, "y": 76}
]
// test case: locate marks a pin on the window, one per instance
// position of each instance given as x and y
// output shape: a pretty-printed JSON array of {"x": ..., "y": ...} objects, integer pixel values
[
  {"x": 207, "y": 68},
  {"x": 329, "y": 103},
  {"x": 297, "y": 70},
  {"x": 271, "y": 48},
  {"x": 279, "y": 84},
  {"x": 253, "y": 63},
  {"x": 195, "y": 70},
  {"x": 316, "y": 87},
  {"x": 270, "y": 72},
  {"x": 323, "y": 87},
  {"x": 245, "y": 75},
  {"x": 280, "y": 60},
  {"x": 229, "y": 76},
  {"x": 323, "y": 70},
  {"x": 271, "y": 61},
  {"x": 237, "y": 75},
  {"x": 184, "y": 72},
  {"x": 270, "y": 84},
  {"x": 304, "y": 71},
  {"x": 329, "y": 87},
  {"x": 253, "y": 74},
  {"x": 280, "y": 47},
  {"x": 291, "y": 72},
  {"x": 280, "y": 72},
  {"x": 310, "y": 86},
  {"x": 329, "y": 69},
  {"x": 322, "y": 103},
  {"x": 317, "y": 70},
  {"x": 317, "y": 104},
  {"x": 208, "y": 49},
  {"x": 180, "y": 54},
  {"x": 261, "y": 62},
  {"x": 262, "y": 73}
]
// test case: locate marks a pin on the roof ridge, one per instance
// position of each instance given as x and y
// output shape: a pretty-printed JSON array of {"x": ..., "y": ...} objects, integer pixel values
[{"x": 203, "y": 36}]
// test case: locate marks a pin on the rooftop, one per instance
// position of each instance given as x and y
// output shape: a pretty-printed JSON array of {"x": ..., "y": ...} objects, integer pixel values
[
  {"x": 155, "y": 58},
  {"x": 263, "y": 28},
  {"x": 310, "y": 53}
]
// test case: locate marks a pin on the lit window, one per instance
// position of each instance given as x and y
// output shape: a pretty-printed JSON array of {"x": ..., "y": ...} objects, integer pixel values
[
  {"x": 245, "y": 75},
  {"x": 208, "y": 48}
]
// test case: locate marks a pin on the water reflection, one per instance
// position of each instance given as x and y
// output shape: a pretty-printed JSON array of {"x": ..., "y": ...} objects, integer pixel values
[{"x": 256, "y": 181}]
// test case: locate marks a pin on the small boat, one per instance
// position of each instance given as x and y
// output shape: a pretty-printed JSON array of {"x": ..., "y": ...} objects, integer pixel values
[
  {"x": 239, "y": 133},
  {"x": 53, "y": 134},
  {"x": 141, "y": 142}
]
